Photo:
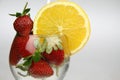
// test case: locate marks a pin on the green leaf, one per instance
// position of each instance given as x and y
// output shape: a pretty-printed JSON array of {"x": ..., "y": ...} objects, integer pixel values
[
  {"x": 36, "y": 57},
  {"x": 26, "y": 11},
  {"x": 18, "y": 14},
  {"x": 27, "y": 58},
  {"x": 12, "y": 14},
  {"x": 27, "y": 63},
  {"x": 25, "y": 7},
  {"x": 21, "y": 67},
  {"x": 29, "y": 14}
]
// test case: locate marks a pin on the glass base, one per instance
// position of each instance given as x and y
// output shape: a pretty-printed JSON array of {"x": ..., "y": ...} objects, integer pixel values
[{"x": 59, "y": 72}]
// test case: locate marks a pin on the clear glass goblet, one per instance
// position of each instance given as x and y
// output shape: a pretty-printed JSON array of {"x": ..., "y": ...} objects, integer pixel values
[{"x": 22, "y": 49}]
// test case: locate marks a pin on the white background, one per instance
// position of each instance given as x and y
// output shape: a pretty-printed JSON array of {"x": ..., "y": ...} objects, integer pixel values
[{"x": 98, "y": 60}]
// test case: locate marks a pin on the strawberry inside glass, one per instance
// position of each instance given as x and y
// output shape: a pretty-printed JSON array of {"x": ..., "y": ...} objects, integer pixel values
[{"x": 36, "y": 57}]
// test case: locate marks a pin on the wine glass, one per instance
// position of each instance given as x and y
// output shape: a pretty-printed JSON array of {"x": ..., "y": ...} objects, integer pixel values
[{"x": 20, "y": 55}]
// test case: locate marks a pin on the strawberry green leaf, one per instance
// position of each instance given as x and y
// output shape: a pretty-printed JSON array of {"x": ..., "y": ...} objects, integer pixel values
[
  {"x": 12, "y": 14},
  {"x": 21, "y": 67},
  {"x": 29, "y": 14},
  {"x": 18, "y": 14},
  {"x": 28, "y": 57},
  {"x": 27, "y": 63},
  {"x": 26, "y": 11},
  {"x": 36, "y": 56},
  {"x": 25, "y": 7}
]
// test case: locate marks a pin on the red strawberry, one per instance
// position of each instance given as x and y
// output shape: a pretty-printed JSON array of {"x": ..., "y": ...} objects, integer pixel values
[
  {"x": 56, "y": 56},
  {"x": 14, "y": 55},
  {"x": 40, "y": 69},
  {"x": 20, "y": 46},
  {"x": 18, "y": 49},
  {"x": 23, "y": 24}
]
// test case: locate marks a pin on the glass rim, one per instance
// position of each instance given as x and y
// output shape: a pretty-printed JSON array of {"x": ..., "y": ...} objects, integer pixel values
[{"x": 48, "y": 35}]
